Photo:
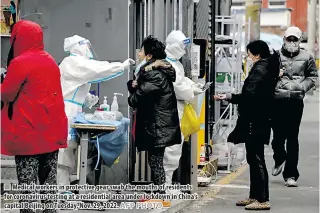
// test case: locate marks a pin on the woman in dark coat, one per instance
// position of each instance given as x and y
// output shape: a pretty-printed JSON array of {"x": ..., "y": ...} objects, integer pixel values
[
  {"x": 253, "y": 125},
  {"x": 13, "y": 10},
  {"x": 153, "y": 97}
]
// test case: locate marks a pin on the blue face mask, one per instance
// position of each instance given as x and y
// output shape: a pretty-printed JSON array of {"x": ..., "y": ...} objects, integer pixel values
[{"x": 139, "y": 66}]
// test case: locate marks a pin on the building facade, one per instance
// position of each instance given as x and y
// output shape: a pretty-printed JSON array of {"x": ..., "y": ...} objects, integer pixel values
[{"x": 277, "y": 15}]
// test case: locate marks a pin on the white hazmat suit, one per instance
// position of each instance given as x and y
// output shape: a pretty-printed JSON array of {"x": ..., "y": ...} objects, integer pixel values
[
  {"x": 185, "y": 90},
  {"x": 78, "y": 71}
]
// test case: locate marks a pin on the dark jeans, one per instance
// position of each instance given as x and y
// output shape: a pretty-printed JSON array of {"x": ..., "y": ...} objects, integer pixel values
[
  {"x": 30, "y": 168},
  {"x": 155, "y": 159},
  {"x": 259, "y": 181},
  {"x": 286, "y": 124}
]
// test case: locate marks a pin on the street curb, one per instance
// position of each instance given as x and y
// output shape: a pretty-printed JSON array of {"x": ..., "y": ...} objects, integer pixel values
[{"x": 180, "y": 205}]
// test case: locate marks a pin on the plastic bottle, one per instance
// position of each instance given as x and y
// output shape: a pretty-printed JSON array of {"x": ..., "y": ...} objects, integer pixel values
[
  {"x": 105, "y": 106},
  {"x": 226, "y": 82},
  {"x": 202, "y": 154},
  {"x": 115, "y": 105}
]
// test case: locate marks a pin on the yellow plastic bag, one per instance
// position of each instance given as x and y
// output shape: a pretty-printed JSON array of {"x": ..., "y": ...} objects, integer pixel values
[
  {"x": 117, "y": 160},
  {"x": 190, "y": 122}
]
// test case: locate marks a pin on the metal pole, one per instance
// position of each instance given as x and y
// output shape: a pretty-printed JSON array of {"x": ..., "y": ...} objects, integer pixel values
[
  {"x": 159, "y": 21},
  {"x": 194, "y": 137},
  {"x": 312, "y": 26},
  {"x": 247, "y": 39},
  {"x": 226, "y": 11},
  {"x": 211, "y": 77},
  {"x": 318, "y": 24},
  {"x": 253, "y": 10}
]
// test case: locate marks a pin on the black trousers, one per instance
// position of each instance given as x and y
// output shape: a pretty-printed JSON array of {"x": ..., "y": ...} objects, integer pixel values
[
  {"x": 286, "y": 124},
  {"x": 155, "y": 159},
  {"x": 259, "y": 181},
  {"x": 42, "y": 167},
  {"x": 14, "y": 17}
]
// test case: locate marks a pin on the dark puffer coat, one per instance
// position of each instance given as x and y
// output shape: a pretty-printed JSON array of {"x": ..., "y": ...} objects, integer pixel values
[
  {"x": 255, "y": 102},
  {"x": 157, "y": 121},
  {"x": 300, "y": 75}
]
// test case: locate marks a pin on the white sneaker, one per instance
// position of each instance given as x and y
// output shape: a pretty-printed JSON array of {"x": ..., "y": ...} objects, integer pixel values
[
  {"x": 276, "y": 170},
  {"x": 291, "y": 182}
]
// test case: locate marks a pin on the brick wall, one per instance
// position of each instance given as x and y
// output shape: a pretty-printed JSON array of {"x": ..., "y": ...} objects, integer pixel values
[
  {"x": 265, "y": 3},
  {"x": 299, "y": 14}
]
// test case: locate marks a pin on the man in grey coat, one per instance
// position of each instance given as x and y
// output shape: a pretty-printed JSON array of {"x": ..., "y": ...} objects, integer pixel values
[{"x": 297, "y": 77}]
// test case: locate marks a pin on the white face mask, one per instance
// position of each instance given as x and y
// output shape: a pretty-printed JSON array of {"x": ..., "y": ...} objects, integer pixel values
[
  {"x": 291, "y": 46},
  {"x": 139, "y": 66},
  {"x": 250, "y": 63}
]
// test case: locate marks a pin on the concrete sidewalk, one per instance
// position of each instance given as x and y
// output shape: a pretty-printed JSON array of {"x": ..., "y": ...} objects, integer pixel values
[{"x": 305, "y": 198}]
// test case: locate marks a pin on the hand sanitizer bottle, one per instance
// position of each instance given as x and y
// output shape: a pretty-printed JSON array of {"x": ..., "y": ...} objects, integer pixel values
[
  {"x": 105, "y": 106},
  {"x": 115, "y": 105}
]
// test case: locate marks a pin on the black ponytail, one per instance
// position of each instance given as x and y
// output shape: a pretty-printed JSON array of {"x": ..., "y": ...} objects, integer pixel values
[
  {"x": 13, "y": 4},
  {"x": 10, "y": 57},
  {"x": 274, "y": 64}
]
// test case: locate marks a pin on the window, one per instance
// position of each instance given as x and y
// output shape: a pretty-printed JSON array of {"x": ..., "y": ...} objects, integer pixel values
[
  {"x": 238, "y": 4},
  {"x": 277, "y": 3}
]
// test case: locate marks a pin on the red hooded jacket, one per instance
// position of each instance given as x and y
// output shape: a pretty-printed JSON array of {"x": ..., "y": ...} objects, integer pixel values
[{"x": 39, "y": 123}]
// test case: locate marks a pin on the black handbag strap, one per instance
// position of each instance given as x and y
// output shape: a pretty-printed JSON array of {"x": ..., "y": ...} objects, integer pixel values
[{"x": 10, "y": 108}]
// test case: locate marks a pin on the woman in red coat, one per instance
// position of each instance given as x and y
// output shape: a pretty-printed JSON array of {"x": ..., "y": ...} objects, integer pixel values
[{"x": 33, "y": 121}]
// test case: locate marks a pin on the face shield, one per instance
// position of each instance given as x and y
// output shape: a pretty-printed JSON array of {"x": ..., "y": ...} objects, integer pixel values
[
  {"x": 186, "y": 44},
  {"x": 87, "y": 50}
]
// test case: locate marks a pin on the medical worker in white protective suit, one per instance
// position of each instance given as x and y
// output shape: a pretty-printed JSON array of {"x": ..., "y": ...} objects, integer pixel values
[
  {"x": 78, "y": 71},
  {"x": 185, "y": 90}
]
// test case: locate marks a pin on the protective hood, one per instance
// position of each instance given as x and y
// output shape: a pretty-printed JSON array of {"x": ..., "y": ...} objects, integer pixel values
[
  {"x": 26, "y": 35},
  {"x": 163, "y": 66},
  {"x": 78, "y": 45},
  {"x": 175, "y": 44}
]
